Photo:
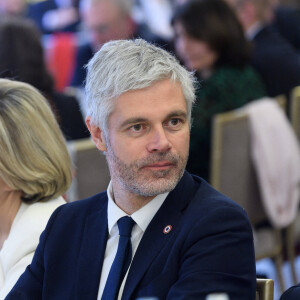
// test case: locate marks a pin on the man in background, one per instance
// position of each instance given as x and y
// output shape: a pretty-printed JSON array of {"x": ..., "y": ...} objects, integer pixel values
[
  {"x": 107, "y": 20},
  {"x": 13, "y": 7},
  {"x": 103, "y": 20},
  {"x": 273, "y": 57}
]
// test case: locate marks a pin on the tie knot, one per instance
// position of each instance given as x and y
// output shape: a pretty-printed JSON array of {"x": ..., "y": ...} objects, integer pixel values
[{"x": 125, "y": 225}]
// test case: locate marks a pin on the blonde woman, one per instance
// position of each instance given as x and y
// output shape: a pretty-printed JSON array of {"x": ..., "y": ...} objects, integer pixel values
[{"x": 35, "y": 170}]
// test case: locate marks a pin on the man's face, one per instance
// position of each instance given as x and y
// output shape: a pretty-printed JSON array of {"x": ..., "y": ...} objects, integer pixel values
[
  {"x": 148, "y": 139},
  {"x": 244, "y": 10},
  {"x": 106, "y": 22},
  {"x": 12, "y": 7}
]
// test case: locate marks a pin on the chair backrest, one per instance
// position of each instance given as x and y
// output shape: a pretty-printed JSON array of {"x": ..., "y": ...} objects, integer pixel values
[
  {"x": 232, "y": 171},
  {"x": 91, "y": 174},
  {"x": 295, "y": 110},
  {"x": 264, "y": 289},
  {"x": 282, "y": 101}
]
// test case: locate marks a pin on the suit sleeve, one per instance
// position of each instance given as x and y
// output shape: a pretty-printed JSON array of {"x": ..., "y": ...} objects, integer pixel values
[
  {"x": 292, "y": 293},
  {"x": 30, "y": 284},
  {"x": 218, "y": 257}
]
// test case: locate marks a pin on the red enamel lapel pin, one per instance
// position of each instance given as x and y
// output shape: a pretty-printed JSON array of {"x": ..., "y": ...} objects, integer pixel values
[{"x": 167, "y": 229}]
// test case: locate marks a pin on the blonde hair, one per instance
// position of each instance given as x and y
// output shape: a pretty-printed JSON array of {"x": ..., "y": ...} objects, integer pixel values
[{"x": 33, "y": 156}]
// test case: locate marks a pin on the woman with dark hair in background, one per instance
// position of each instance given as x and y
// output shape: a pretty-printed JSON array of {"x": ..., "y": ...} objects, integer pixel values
[
  {"x": 209, "y": 39},
  {"x": 22, "y": 58}
]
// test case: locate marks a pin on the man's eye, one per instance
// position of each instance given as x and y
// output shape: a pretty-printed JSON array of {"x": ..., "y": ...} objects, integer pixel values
[
  {"x": 174, "y": 122},
  {"x": 137, "y": 127}
]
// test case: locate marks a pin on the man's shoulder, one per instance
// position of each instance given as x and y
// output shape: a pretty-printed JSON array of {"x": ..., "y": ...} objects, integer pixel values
[
  {"x": 83, "y": 207},
  {"x": 270, "y": 40},
  {"x": 85, "y": 50},
  {"x": 209, "y": 212},
  {"x": 208, "y": 200}
]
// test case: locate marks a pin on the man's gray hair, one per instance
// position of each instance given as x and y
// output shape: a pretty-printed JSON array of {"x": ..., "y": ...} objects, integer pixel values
[{"x": 127, "y": 65}]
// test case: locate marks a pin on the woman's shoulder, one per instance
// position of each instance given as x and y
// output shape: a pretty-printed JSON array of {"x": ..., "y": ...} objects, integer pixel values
[
  {"x": 228, "y": 73},
  {"x": 26, "y": 229},
  {"x": 41, "y": 210},
  {"x": 31, "y": 220},
  {"x": 235, "y": 78},
  {"x": 235, "y": 86}
]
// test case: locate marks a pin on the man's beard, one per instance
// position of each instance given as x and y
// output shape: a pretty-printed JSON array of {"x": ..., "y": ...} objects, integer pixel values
[{"x": 146, "y": 182}]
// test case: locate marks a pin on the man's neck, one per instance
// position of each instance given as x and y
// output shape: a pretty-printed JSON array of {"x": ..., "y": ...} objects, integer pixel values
[{"x": 128, "y": 201}]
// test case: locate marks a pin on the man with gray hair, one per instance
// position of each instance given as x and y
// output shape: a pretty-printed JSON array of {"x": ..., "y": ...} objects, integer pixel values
[{"x": 158, "y": 231}]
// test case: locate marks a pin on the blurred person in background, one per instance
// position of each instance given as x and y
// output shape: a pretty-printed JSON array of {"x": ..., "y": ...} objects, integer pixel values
[
  {"x": 209, "y": 39},
  {"x": 103, "y": 20},
  {"x": 156, "y": 16},
  {"x": 287, "y": 21},
  {"x": 22, "y": 58},
  {"x": 13, "y": 7},
  {"x": 35, "y": 170},
  {"x": 273, "y": 57},
  {"x": 52, "y": 16},
  {"x": 107, "y": 20}
]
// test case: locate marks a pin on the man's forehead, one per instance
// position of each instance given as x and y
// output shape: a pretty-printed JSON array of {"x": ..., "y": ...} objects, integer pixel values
[
  {"x": 162, "y": 97},
  {"x": 102, "y": 10},
  {"x": 236, "y": 3}
]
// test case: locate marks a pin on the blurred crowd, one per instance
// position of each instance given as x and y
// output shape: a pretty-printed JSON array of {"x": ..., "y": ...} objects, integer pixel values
[{"x": 240, "y": 50}]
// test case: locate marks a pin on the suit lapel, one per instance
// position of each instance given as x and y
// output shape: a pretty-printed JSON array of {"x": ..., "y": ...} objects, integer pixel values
[
  {"x": 92, "y": 253},
  {"x": 154, "y": 237}
]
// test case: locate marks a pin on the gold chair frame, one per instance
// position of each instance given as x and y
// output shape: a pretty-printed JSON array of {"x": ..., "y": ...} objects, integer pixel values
[
  {"x": 293, "y": 231},
  {"x": 264, "y": 289},
  {"x": 295, "y": 110},
  {"x": 251, "y": 200}
]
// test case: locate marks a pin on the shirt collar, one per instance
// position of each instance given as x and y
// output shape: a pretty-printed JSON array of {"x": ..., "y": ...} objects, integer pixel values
[
  {"x": 253, "y": 30},
  {"x": 142, "y": 217}
]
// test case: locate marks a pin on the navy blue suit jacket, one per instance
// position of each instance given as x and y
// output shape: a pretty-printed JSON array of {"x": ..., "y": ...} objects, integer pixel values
[
  {"x": 277, "y": 62},
  {"x": 209, "y": 249},
  {"x": 83, "y": 55},
  {"x": 287, "y": 22},
  {"x": 293, "y": 293}
]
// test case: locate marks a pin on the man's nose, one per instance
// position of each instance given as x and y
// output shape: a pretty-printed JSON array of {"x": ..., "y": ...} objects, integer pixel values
[{"x": 158, "y": 141}]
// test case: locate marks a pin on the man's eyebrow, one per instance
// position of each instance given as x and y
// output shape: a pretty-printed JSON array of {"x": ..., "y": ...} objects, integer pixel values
[
  {"x": 177, "y": 113},
  {"x": 132, "y": 121}
]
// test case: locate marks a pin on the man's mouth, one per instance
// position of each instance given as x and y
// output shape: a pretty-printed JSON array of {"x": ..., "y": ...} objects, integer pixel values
[{"x": 162, "y": 165}]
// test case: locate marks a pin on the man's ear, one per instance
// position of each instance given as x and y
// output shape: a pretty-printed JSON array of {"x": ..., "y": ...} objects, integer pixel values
[{"x": 97, "y": 134}]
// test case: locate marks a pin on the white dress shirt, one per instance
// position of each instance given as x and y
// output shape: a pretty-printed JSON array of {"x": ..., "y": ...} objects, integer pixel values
[
  {"x": 142, "y": 218},
  {"x": 253, "y": 30}
]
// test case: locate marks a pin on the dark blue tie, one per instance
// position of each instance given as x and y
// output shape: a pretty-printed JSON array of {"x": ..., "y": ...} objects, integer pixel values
[{"x": 121, "y": 262}]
